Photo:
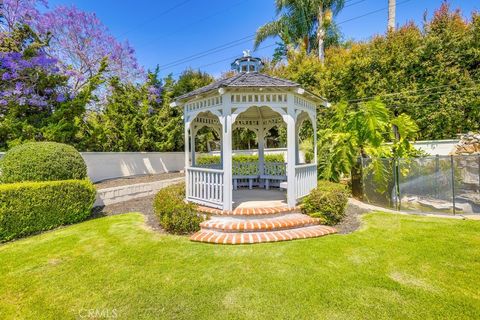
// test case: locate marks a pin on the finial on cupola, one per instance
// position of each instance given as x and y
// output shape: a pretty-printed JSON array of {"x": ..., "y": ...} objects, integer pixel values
[{"x": 247, "y": 63}]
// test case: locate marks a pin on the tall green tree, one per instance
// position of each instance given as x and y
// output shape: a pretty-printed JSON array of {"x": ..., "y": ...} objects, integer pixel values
[
  {"x": 303, "y": 23},
  {"x": 429, "y": 72}
]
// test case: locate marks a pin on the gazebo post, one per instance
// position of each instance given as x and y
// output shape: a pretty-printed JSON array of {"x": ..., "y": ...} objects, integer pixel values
[
  {"x": 297, "y": 148},
  {"x": 261, "y": 149},
  {"x": 192, "y": 145},
  {"x": 221, "y": 147},
  {"x": 314, "y": 125},
  {"x": 187, "y": 153},
  {"x": 226, "y": 121},
  {"x": 289, "y": 119}
]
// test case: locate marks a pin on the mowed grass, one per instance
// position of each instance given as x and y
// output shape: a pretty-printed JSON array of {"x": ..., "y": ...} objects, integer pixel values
[{"x": 395, "y": 267}]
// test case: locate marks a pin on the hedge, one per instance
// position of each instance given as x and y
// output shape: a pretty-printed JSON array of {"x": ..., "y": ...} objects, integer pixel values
[
  {"x": 241, "y": 158},
  {"x": 328, "y": 202},
  {"x": 30, "y": 207},
  {"x": 214, "y": 159},
  {"x": 42, "y": 161},
  {"x": 175, "y": 215}
]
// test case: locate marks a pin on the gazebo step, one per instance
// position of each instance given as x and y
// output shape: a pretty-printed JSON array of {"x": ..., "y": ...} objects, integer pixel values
[
  {"x": 211, "y": 236},
  {"x": 248, "y": 211},
  {"x": 251, "y": 224}
]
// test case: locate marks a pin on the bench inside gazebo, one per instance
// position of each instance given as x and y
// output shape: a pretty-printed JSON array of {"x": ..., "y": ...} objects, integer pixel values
[{"x": 234, "y": 193}]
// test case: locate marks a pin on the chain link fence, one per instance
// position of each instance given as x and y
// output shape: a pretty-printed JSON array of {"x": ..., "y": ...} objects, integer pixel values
[{"x": 437, "y": 184}]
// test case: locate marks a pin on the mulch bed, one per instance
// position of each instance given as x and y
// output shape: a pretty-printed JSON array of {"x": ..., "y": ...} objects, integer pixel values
[
  {"x": 349, "y": 224},
  {"x": 351, "y": 221},
  {"x": 143, "y": 205},
  {"x": 110, "y": 183}
]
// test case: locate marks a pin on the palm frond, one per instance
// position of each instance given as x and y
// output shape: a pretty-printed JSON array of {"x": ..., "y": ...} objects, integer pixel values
[{"x": 270, "y": 29}]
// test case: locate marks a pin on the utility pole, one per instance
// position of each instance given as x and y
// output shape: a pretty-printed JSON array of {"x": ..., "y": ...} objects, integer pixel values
[{"x": 391, "y": 15}]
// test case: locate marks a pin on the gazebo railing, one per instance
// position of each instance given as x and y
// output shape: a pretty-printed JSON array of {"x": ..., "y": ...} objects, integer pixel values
[
  {"x": 305, "y": 179},
  {"x": 205, "y": 186}
]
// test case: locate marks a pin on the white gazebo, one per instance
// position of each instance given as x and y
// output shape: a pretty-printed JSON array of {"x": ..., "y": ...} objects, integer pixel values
[{"x": 258, "y": 102}]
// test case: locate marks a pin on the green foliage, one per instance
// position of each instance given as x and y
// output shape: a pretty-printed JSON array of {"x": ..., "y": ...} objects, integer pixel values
[
  {"x": 208, "y": 159},
  {"x": 302, "y": 24},
  {"x": 42, "y": 161},
  {"x": 430, "y": 73},
  {"x": 274, "y": 157},
  {"x": 175, "y": 215},
  {"x": 214, "y": 159},
  {"x": 361, "y": 131},
  {"x": 138, "y": 116},
  {"x": 30, "y": 207},
  {"x": 328, "y": 202},
  {"x": 336, "y": 154}
]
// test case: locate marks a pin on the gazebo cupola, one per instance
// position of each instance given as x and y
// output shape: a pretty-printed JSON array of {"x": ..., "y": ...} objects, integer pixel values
[
  {"x": 247, "y": 63},
  {"x": 258, "y": 102}
]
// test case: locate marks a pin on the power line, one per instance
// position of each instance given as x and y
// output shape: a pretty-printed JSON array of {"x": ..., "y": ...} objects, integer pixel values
[
  {"x": 405, "y": 93},
  {"x": 223, "y": 60},
  {"x": 193, "y": 23},
  {"x": 206, "y": 52},
  {"x": 156, "y": 17},
  {"x": 352, "y": 4},
  {"x": 371, "y": 12},
  {"x": 432, "y": 101},
  {"x": 227, "y": 45}
]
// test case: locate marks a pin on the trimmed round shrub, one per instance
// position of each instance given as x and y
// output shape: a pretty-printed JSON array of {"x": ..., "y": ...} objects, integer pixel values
[
  {"x": 42, "y": 161},
  {"x": 327, "y": 202},
  {"x": 30, "y": 207},
  {"x": 175, "y": 215}
]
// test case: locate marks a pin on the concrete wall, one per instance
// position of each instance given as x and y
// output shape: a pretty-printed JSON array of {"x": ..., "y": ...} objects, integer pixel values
[
  {"x": 434, "y": 147},
  {"x": 107, "y": 165}
]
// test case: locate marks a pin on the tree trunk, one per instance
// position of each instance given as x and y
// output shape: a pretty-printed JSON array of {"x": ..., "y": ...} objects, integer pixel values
[
  {"x": 391, "y": 15},
  {"x": 320, "y": 35}
]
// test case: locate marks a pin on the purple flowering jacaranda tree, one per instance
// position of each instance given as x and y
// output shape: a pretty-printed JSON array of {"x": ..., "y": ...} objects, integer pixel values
[{"x": 78, "y": 40}]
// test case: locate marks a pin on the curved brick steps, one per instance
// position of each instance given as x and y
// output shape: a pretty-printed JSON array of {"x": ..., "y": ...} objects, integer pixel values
[
  {"x": 281, "y": 222},
  {"x": 212, "y": 236},
  {"x": 247, "y": 211}
]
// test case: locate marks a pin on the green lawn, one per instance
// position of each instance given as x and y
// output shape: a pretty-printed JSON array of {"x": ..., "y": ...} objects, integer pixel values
[{"x": 395, "y": 267}]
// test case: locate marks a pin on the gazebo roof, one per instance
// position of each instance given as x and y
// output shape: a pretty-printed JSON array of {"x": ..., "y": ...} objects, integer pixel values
[{"x": 245, "y": 80}]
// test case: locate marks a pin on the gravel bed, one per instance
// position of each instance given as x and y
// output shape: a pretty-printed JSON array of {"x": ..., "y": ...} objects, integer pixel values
[
  {"x": 349, "y": 224},
  {"x": 137, "y": 179}
]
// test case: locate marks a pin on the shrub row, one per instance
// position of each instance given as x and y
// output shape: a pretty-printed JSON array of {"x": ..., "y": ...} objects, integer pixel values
[
  {"x": 175, "y": 215},
  {"x": 42, "y": 161},
  {"x": 30, "y": 207},
  {"x": 214, "y": 159},
  {"x": 327, "y": 202}
]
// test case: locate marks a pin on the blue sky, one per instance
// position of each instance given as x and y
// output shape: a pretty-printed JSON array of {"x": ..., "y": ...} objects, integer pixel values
[{"x": 163, "y": 32}]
